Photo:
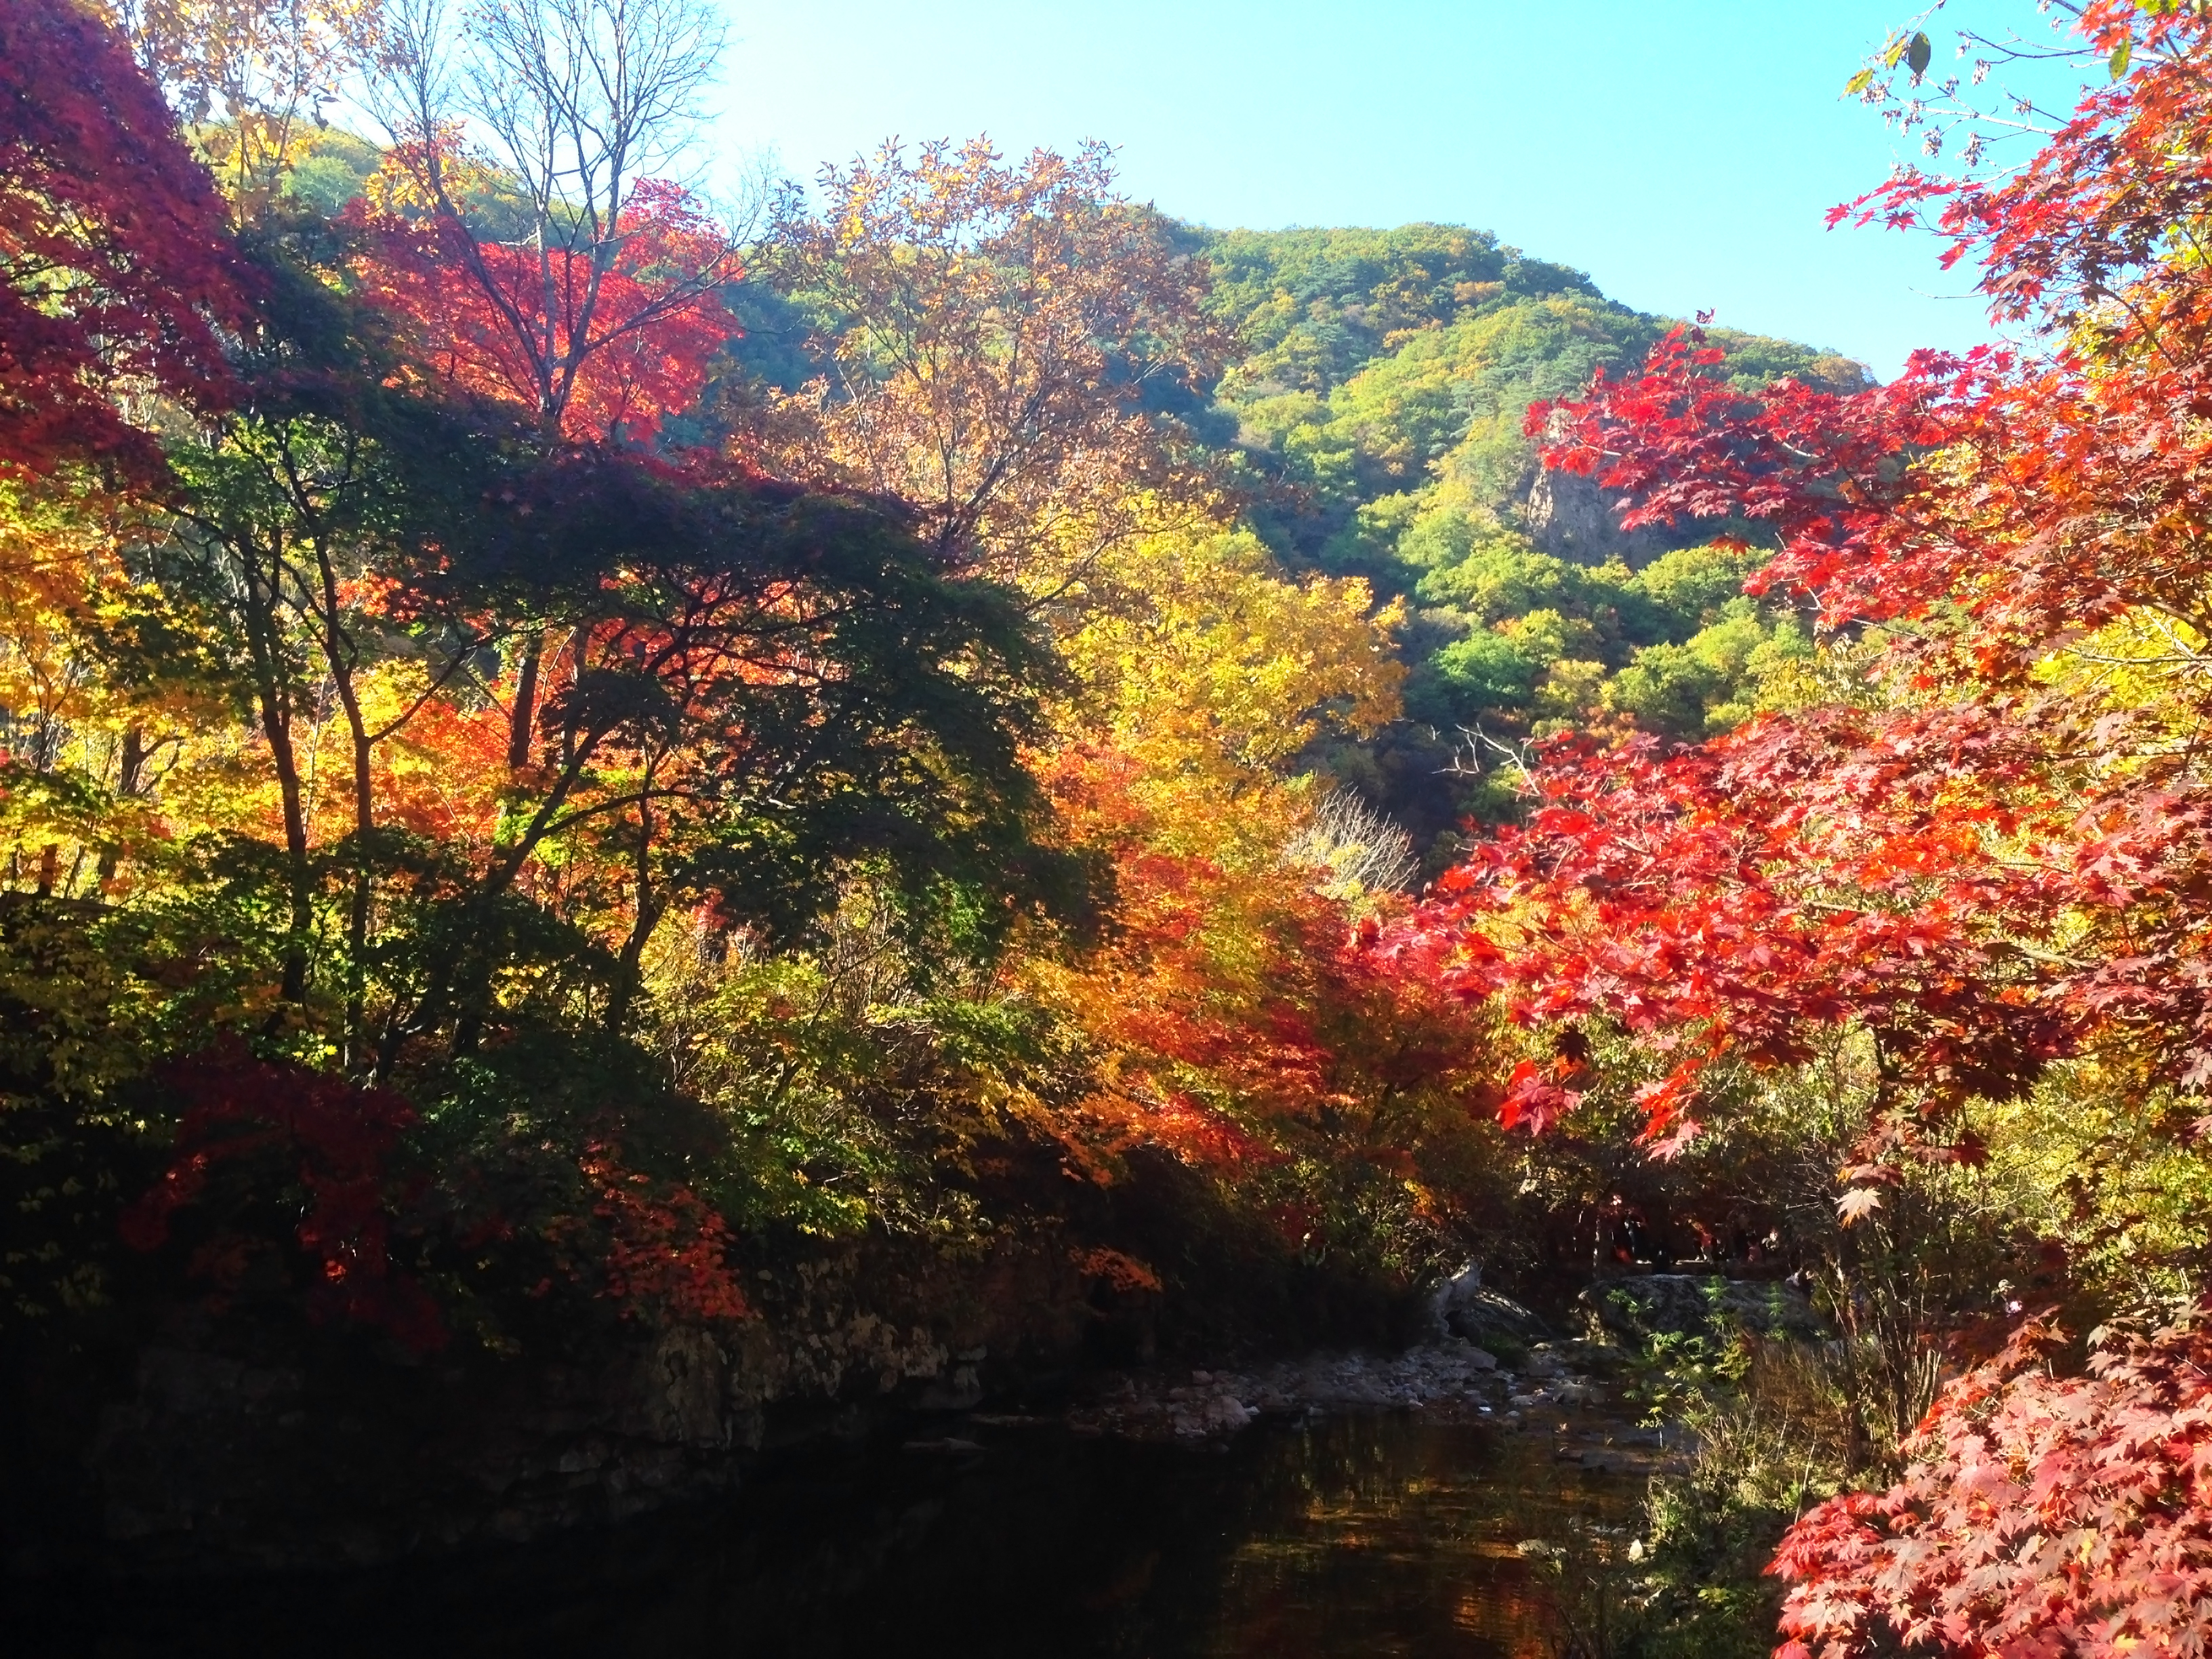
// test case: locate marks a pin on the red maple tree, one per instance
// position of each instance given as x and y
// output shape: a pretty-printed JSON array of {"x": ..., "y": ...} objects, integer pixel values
[
  {"x": 1997, "y": 852},
  {"x": 2039, "y": 1516},
  {"x": 116, "y": 270},
  {"x": 332, "y": 1139},
  {"x": 601, "y": 341},
  {"x": 1991, "y": 848}
]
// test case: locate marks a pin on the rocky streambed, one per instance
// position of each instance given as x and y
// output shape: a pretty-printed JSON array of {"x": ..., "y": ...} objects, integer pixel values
[
  {"x": 1557, "y": 1390},
  {"x": 1488, "y": 1362},
  {"x": 1566, "y": 1389}
]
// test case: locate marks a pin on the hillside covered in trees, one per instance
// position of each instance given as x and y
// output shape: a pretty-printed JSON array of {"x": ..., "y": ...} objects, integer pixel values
[
  {"x": 1379, "y": 387},
  {"x": 1366, "y": 400},
  {"x": 966, "y": 774}
]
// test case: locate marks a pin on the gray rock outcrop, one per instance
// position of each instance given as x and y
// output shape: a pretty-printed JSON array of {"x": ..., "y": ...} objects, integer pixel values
[
  {"x": 1463, "y": 1308},
  {"x": 215, "y": 1461}
]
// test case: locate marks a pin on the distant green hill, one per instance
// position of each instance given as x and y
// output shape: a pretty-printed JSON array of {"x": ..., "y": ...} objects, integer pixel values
[{"x": 1375, "y": 401}]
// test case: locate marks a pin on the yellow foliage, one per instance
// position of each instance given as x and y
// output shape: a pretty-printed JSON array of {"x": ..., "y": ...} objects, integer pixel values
[
  {"x": 1218, "y": 663},
  {"x": 48, "y": 554},
  {"x": 984, "y": 321},
  {"x": 252, "y": 75},
  {"x": 2145, "y": 662}
]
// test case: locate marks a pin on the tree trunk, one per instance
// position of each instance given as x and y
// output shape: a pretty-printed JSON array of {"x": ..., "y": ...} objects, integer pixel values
[{"x": 524, "y": 719}]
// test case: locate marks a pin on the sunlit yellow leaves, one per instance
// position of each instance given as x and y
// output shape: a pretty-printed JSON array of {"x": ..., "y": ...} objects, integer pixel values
[
  {"x": 1220, "y": 661},
  {"x": 253, "y": 76},
  {"x": 2145, "y": 662}
]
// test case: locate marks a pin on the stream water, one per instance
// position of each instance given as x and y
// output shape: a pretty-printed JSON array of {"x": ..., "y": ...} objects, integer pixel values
[{"x": 1374, "y": 1535}]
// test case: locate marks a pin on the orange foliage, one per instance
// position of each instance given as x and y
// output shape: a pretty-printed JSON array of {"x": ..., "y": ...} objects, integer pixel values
[
  {"x": 1124, "y": 1273},
  {"x": 441, "y": 776},
  {"x": 1245, "y": 1017}
]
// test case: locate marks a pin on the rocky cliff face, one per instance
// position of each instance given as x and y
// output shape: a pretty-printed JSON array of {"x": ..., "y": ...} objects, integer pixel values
[
  {"x": 219, "y": 1454},
  {"x": 1568, "y": 516}
]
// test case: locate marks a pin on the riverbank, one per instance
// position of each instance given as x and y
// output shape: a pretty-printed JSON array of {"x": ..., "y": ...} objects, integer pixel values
[
  {"x": 227, "y": 1460},
  {"x": 1297, "y": 1506}
]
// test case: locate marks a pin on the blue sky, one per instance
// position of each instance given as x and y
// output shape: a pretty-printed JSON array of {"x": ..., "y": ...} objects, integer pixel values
[{"x": 1683, "y": 154}]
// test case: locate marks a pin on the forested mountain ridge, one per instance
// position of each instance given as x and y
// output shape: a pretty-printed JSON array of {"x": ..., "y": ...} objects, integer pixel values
[
  {"x": 1374, "y": 396},
  {"x": 1368, "y": 402},
  {"x": 1369, "y": 399},
  {"x": 1373, "y": 364}
]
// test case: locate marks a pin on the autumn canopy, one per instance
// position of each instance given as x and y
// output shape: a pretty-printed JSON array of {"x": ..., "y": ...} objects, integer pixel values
[{"x": 570, "y": 753}]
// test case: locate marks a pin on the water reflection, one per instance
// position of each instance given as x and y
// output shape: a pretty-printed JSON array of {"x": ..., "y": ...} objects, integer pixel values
[
  {"x": 1403, "y": 1544},
  {"x": 1370, "y": 1537}
]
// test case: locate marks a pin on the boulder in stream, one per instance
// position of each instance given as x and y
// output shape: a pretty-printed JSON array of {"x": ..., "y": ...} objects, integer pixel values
[{"x": 1463, "y": 1308}]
